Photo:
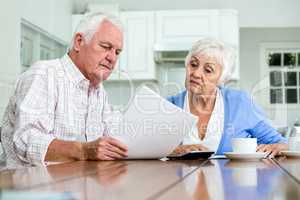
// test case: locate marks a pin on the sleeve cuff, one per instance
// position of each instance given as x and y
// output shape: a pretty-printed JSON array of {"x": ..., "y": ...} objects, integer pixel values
[{"x": 38, "y": 148}]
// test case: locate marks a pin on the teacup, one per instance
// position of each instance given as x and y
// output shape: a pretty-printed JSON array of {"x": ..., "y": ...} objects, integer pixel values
[
  {"x": 294, "y": 143},
  {"x": 244, "y": 145}
]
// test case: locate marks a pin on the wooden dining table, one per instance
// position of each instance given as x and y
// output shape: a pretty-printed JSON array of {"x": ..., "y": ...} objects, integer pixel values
[
  {"x": 218, "y": 179},
  {"x": 291, "y": 166}
]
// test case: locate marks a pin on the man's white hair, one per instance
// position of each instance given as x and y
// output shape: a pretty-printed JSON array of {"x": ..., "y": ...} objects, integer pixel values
[
  {"x": 90, "y": 23},
  {"x": 223, "y": 53}
]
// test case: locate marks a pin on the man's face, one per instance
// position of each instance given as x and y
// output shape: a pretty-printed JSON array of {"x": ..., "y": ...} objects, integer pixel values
[{"x": 100, "y": 54}]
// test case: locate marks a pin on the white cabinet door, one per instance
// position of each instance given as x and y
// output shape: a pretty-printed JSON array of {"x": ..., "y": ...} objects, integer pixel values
[
  {"x": 229, "y": 33},
  {"x": 137, "y": 60},
  {"x": 229, "y": 26},
  {"x": 186, "y": 26}
]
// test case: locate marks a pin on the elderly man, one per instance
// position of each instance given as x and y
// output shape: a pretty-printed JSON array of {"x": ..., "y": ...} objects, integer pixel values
[{"x": 59, "y": 109}]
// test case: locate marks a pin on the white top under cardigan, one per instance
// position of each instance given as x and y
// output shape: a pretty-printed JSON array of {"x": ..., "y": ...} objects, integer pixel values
[{"x": 214, "y": 128}]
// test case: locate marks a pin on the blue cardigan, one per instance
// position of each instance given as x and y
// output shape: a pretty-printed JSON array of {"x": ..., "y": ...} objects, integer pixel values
[{"x": 242, "y": 118}]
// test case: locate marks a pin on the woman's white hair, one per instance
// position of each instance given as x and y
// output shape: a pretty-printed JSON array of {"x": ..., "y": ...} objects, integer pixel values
[
  {"x": 223, "y": 53},
  {"x": 90, "y": 23}
]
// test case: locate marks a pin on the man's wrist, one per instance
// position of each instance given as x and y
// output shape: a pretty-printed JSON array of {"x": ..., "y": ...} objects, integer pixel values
[{"x": 80, "y": 152}]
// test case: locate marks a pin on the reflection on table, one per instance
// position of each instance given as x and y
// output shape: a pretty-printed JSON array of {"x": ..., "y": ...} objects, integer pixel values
[
  {"x": 230, "y": 180},
  {"x": 154, "y": 179}
]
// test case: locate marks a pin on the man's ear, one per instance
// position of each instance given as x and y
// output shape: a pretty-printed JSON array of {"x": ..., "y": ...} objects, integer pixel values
[{"x": 78, "y": 41}]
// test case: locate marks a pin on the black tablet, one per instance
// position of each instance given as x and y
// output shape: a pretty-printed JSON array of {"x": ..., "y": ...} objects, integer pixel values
[{"x": 192, "y": 155}]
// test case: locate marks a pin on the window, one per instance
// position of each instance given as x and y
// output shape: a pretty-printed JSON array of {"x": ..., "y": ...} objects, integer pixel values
[
  {"x": 26, "y": 51},
  {"x": 283, "y": 66},
  {"x": 37, "y": 44}
]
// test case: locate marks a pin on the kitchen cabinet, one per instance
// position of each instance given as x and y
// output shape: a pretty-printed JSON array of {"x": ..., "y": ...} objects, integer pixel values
[
  {"x": 137, "y": 57},
  {"x": 184, "y": 27},
  {"x": 229, "y": 33}
]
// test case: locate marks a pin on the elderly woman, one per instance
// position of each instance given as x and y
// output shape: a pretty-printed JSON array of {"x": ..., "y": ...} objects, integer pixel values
[{"x": 222, "y": 113}]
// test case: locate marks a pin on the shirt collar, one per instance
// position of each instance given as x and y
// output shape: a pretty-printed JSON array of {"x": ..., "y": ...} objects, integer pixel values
[
  {"x": 186, "y": 105},
  {"x": 72, "y": 70}
]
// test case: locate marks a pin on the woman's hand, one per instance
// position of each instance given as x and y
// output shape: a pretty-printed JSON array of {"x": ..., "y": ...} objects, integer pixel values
[
  {"x": 272, "y": 149},
  {"x": 187, "y": 148}
]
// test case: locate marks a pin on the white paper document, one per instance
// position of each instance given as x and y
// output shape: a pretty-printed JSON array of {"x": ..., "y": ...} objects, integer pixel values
[{"x": 152, "y": 127}]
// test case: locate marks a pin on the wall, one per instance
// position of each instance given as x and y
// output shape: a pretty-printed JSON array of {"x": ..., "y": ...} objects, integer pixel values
[
  {"x": 250, "y": 40},
  {"x": 53, "y": 16},
  {"x": 10, "y": 49}
]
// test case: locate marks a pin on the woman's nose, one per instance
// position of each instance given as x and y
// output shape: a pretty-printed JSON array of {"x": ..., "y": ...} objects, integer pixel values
[{"x": 198, "y": 73}]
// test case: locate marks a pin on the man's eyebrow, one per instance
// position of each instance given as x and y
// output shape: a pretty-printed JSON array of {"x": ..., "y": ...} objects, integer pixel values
[
  {"x": 102, "y": 42},
  {"x": 110, "y": 44}
]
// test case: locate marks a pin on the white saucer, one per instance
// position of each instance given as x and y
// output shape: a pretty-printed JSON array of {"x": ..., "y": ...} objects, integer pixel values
[
  {"x": 245, "y": 156},
  {"x": 291, "y": 153}
]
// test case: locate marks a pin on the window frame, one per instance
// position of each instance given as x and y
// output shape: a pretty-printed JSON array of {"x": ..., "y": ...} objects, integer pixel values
[
  {"x": 265, "y": 70},
  {"x": 40, "y": 38}
]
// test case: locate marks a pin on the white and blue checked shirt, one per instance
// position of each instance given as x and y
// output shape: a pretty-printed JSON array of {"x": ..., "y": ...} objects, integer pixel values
[{"x": 52, "y": 100}]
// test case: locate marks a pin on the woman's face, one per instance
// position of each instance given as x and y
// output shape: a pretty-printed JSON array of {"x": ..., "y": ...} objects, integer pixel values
[{"x": 202, "y": 74}]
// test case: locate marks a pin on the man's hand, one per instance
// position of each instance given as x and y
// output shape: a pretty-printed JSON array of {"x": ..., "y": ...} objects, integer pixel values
[
  {"x": 272, "y": 149},
  {"x": 187, "y": 148},
  {"x": 104, "y": 148}
]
